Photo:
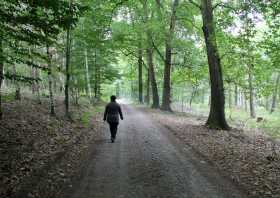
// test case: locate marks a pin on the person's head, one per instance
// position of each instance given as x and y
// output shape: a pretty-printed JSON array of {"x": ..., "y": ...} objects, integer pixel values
[{"x": 113, "y": 98}]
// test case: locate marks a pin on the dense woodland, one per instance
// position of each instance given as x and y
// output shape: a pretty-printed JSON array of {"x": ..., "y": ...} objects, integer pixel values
[{"x": 217, "y": 55}]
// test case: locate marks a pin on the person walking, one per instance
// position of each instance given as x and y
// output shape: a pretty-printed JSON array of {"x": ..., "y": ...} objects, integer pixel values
[{"x": 111, "y": 115}]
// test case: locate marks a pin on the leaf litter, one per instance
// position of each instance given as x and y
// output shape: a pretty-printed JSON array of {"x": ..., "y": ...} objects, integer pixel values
[
  {"x": 250, "y": 159},
  {"x": 40, "y": 154}
]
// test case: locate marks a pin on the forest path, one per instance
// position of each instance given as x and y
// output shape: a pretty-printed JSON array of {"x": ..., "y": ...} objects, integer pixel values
[{"x": 147, "y": 161}]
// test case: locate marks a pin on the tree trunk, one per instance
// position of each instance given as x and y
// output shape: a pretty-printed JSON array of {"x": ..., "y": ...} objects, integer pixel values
[
  {"x": 37, "y": 85},
  {"x": 153, "y": 79},
  {"x": 33, "y": 85},
  {"x": 17, "y": 86},
  {"x": 50, "y": 79},
  {"x": 244, "y": 102},
  {"x": 166, "y": 96},
  {"x": 150, "y": 59},
  {"x": 99, "y": 83},
  {"x": 216, "y": 117},
  {"x": 87, "y": 77},
  {"x": 1, "y": 74},
  {"x": 194, "y": 90},
  {"x": 140, "y": 78},
  {"x": 235, "y": 96},
  {"x": 267, "y": 103},
  {"x": 118, "y": 94},
  {"x": 251, "y": 98},
  {"x": 275, "y": 94},
  {"x": 67, "y": 71},
  {"x": 229, "y": 97},
  {"x": 95, "y": 76},
  {"x": 148, "y": 87}
]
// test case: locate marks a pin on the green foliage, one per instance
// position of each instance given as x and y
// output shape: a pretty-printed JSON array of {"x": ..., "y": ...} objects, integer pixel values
[{"x": 108, "y": 35}]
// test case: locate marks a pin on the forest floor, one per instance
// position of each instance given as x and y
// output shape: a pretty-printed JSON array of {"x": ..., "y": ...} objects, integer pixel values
[
  {"x": 39, "y": 154},
  {"x": 250, "y": 159},
  {"x": 157, "y": 154}
]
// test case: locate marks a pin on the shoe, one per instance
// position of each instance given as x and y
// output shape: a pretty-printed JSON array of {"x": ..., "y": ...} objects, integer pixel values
[{"x": 112, "y": 140}]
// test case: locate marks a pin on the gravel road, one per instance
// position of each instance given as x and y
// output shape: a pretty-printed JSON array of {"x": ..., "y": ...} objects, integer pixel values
[{"x": 146, "y": 161}]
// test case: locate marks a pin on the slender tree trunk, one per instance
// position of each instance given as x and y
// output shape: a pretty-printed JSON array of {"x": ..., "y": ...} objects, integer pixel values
[
  {"x": 148, "y": 87},
  {"x": 275, "y": 94},
  {"x": 267, "y": 103},
  {"x": 235, "y": 96},
  {"x": 229, "y": 97},
  {"x": 166, "y": 95},
  {"x": 140, "y": 78},
  {"x": 50, "y": 80},
  {"x": 87, "y": 76},
  {"x": 67, "y": 71},
  {"x": 153, "y": 79},
  {"x": 1, "y": 74},
  {"x": 251, "y": 98},
  {"x": 194, "y": 90},
  {"x": 99, "y": 85},
  {"x": 118, "y": 94},
  {"x": 32, "y": 72},
  {"x": 37, "y": 85},
  {"x": 17, "y": 86},
  {"x": 244, "y": 102},
  {"x": 95, "y": 76},
  {"x": 216, "y": 117},
  {"x": 150, "y": 59},
  {"x": 33, "y": 85}
]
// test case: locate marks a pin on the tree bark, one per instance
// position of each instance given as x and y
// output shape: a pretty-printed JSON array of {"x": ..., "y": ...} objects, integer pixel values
[
  {"x": 140, "y": 75},
  {"x": 244, "y": 100},
  {"x": 97, "y": 78},
  {"x": 235, "y": 96},
  {"x": 17, "y": 86},
  {"x": 150, "y": 59},
  {"x": 229, "y": 97},
  {"x": 216, "y": 117},
  {"x": 153, "y": 79},
  {"x": 148, "y": 87},
  {"x": 87, "y": 77},
  {"x": 95, "y": 75},
  {"x": 50, "y": 80},
  {"x": 37, "y": 85},
  {"x": 194, "y": 90},
  {"x": 67, "y": 71},
  {"x": 166, "y": 95},
  {"x": 1, "y": 74},
  {"x": 251, "y": 98},
  {"x": 275, "y": 94}
]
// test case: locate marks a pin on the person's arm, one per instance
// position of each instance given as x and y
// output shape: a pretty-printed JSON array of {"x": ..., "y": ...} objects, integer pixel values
[
  {"x": 105, "y": 113},
  {"x": 120, "y": 112}
]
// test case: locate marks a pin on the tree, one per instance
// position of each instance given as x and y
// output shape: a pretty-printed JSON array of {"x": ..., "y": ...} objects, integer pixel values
[
  {"x": 166, "y": 97},
  {"x": 32, "y": 23},
  {"x": 150, "y": 53},
  {"x": 216, "y": 118},
  {"x": 1, "y": 74}
]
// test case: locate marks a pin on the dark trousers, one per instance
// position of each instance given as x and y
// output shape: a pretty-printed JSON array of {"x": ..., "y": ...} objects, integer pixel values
[{"x": 113, "y": 129}]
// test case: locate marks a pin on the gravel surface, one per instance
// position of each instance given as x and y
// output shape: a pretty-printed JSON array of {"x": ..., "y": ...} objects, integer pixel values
[{"x": 147, "y": 161}]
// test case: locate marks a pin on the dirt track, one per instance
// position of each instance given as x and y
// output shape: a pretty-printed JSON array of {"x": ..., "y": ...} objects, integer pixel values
[{"x": 146, "y": 161}]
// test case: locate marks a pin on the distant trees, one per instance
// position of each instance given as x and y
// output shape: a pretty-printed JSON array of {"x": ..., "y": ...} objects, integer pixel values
[
  {"x": 163, "y": 52},
  {"x": 29, "y": 24}
]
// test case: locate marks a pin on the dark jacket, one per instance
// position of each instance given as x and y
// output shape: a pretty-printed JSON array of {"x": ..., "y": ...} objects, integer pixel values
[{"x": 112, "y": 112}]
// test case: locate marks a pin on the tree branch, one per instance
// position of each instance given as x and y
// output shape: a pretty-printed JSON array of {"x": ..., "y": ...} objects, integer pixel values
[
  {"x": 221, "y": 4},
  {"x": 195, "y": 4},
  {"x": 158, "y": 52}
]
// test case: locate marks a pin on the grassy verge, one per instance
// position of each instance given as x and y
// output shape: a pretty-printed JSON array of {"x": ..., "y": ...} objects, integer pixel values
[
  {"x": 268, "y": 123},
  {"x": 90, "y": 111}
]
